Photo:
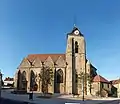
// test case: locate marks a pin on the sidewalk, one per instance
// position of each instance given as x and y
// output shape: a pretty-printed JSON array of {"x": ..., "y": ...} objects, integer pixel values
[
  {"x": 56, "y": 100},
  {"x": 88, "y": 98}
]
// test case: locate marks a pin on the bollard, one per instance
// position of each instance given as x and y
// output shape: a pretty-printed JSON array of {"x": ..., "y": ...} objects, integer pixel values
[{"x": 30, "y": 96}]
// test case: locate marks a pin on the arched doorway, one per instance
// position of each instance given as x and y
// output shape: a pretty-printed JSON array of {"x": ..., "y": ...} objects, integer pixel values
[
  {"x": 24, "y": 81},
  {"x": 33, "y": 84},
  {"x": 19, "y": 80},
  {"x": 59, "y": 80}
]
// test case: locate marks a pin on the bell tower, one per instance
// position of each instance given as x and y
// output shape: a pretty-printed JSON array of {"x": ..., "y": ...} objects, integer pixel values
[{"x": 75, "y": 58}]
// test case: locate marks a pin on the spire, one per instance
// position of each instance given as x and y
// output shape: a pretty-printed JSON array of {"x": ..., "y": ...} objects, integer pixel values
[{"x": 74, "y": 25}]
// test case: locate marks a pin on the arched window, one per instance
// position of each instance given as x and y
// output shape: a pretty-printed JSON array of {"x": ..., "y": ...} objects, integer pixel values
[
  {"x": 76, "y": 47},
  {"x": 18, "y": 80},
  {"x": 32, "y": 80},
  {"x": 23, "y": 76},
  {"x": 24, "y": 81},
  {"x": 59, "y": 76}
]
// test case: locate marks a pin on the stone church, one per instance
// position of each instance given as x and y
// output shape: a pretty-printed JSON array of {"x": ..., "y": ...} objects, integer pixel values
[{"x": 64, "y": 68}]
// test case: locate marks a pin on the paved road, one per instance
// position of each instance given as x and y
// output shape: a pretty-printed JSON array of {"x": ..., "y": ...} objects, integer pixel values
[
  {"x": 111, "y": 102},
  {"x": 8, "y": 101}
]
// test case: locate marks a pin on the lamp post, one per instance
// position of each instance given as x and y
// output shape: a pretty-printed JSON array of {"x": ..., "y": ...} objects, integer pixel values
[{"x": 31, "y": 94}]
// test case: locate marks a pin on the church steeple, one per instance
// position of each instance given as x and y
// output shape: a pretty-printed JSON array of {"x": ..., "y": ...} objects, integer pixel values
[
  {"x": 75, "y": 58},
  {"x": 75, "y": 31}
]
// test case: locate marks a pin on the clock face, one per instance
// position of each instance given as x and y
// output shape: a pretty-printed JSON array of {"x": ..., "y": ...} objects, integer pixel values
[{"x": 76, "y": 32}]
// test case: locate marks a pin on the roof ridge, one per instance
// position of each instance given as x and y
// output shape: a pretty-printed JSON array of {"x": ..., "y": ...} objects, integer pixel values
[
  {"x": 100, "y": 78},
  {"x": 43, "y": 57},
  {"x": 48, "y": 54},
  {"x": 103, "y": 78}
]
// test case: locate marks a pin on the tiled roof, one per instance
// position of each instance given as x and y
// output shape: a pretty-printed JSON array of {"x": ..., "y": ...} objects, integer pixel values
[
  {"x": 115, "y": 81},
  {"x": 43, "y": 57},
  {"x": 99, "y": 78}
]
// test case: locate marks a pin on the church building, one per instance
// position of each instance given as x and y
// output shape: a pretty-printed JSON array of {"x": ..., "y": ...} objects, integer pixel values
[{"x": 64, "y": 67}]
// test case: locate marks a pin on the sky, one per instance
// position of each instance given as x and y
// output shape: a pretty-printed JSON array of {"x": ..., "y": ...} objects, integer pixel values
[{"x": 41, "y": 26}]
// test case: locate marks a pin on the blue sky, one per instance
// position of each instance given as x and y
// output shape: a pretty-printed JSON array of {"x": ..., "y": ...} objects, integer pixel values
[{"x": 40, "y": 26}]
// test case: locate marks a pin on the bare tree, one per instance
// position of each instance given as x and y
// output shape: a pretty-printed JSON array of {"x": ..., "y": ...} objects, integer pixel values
[
  {"x": 83, "y": 78},
  {"x": 46, "y": 77}
]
